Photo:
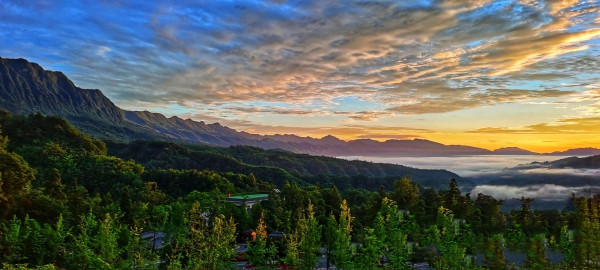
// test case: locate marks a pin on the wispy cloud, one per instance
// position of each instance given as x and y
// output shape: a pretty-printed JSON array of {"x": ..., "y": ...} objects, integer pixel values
[
  {"x": 571, "y": 125},
  {"x": 228, "y": 51}
]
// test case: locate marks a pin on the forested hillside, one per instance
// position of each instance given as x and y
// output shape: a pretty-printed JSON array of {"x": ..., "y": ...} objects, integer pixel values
[
  {"x": 277, "y": 166},
  {"x": 66, "y": 204}
]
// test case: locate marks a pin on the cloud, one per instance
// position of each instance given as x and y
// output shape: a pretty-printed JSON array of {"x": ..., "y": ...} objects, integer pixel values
[
  {"x": 273, "y": 110},
  {"x": 365, "y": 115},
  {"x": 568, "y": 171},
  {"x": 103, "y": 50},
  {"x": 409, "y": 57},
  {"x": 571, "y": 125},
  {"x": 533, "y": 191},
  {"x": 439, "y": 97},
  {"x": 387, "y": 137},
  {"x": 345, "y": 132}
]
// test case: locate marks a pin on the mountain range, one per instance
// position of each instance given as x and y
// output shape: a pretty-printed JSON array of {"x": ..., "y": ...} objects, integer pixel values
[{"x": 26, "y": 88}]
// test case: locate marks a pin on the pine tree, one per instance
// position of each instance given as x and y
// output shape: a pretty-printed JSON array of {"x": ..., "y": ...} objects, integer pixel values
[
  {"x": 536, "y": 253},
  {"x": 258, "y": 253},
  {"x": 311, "y": 240},
  {"x": 211, "y": 247},
  {"x": 405, "y": 193},
  {"x": 493, "y": 255},
  {"x": 330, "y": 239},
  {"x": 342, "y": 252}
]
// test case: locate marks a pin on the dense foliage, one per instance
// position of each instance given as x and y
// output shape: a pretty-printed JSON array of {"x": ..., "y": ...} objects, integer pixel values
[
  {"x": 277, "y": 166},
  {"x": 65, "y": 203}
]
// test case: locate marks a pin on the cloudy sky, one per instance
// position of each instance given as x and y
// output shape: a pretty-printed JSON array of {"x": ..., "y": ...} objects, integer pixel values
[{"x": 482, "y": 73}]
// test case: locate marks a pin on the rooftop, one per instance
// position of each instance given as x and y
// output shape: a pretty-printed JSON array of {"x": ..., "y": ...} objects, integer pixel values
[{"x": 249, "y": 196}]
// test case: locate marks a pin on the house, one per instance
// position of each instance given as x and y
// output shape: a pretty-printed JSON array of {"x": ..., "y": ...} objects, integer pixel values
[{"x": 248, "y": 199}]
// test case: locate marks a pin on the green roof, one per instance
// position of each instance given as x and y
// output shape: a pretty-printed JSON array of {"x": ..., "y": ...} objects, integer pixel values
[{"x": 249, "y": 196}]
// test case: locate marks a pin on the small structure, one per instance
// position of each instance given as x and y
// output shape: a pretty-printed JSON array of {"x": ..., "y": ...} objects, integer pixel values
[
  {"x": 248, "y": 199},
  {"x": 279, "y": 235},
  {"x": 154, "y": 238}
]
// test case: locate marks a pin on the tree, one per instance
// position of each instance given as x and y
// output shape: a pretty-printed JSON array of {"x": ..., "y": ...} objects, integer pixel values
[
  {"x": 332, "y": 199},
  {"x": 487, "y": 218},
  {"x": 587, "y": 233},
  {"x": 493, "y": 255},
  {"x": 311, "y": 240},
  {"x": 536, "y": 253},
  {"x": 258, "y": 253},
  {"x": 15, "y": 179},
  {"x": 452, "y": 255},
  {"x": 525, "y": 217},
  {"x": 342, "y": 253},
  {"x": 405, "y": 193},
  {"x": 330, "y": 238},
  {"x": 54, "y": 187},
  {"x": 106, "y": 241},
  {"x": 210, "y": 247},
  {"x": 390, "y": 229},
  {"x": 373, "y": 247},
  {"x": 454, "y": 200},
  {"x": 292, "y": 255}
]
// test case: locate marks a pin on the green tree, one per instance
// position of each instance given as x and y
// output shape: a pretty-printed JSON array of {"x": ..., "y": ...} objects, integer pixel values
[
  {"x": 54, "y": 187},
  {"x": 454, "y": 200},
  {"x": 536, "y": 253},
  {"x": 587, "y": 233},
  {"x": 392, "y": 230},
  {"x": 210, "y": 247},
  {"x": 311, "y": 240},
  {"x": 15, "y": 179},
  {"x": 106, "y": 241},
  {"x": 342, "y": 252},
  {"x": 330, "y": 237},
  {"x": 258, "y": 253},
  {"x": 405, "y": 193},
  {"x": 452, "y": 255},
  {"x": 493, "y": 255}
]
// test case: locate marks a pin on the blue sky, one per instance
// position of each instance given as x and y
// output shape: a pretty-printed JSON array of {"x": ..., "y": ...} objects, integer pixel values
[{"x": 485, "y": 73}]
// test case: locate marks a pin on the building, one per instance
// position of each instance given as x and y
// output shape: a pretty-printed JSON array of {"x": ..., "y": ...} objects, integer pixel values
[{"x": 248, "y": 199}]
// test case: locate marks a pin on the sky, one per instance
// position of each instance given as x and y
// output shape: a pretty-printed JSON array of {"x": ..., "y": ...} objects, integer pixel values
[{"x": 482, "y": 73}]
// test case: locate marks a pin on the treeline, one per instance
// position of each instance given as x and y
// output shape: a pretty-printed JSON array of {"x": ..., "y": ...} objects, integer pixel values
[
  {"x": 66, "y": 204},
  {"x": 277, "y": 166}
]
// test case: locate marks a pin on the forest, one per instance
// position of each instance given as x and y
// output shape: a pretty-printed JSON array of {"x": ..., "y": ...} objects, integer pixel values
[{"x": 66, "y": 203}]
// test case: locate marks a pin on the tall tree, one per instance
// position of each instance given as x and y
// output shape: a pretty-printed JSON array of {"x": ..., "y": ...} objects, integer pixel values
[
  {"x": 311, "y": 242},
  {"x": 536, "y": 253},
  {"x": 330, "y": 237},
  {"x": 211, "y": 247},
  {"x": 15, "y": 179},
  {"x": 258, "y": 253},
  {"x": 452, "y": 255},
  {"x": 405, "y": 193},
  {"x": 342, "y": 253},
  {"x": 454, "y": 200},
  {"x": 54, "y": 187},
  {"x": 493, "y": 254},
  {"x": 394, "y": 235}
]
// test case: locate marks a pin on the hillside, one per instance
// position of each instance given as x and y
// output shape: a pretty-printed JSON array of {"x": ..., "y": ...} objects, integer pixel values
[
  {"x": 275, "y": 165},
  {"x": 591, "y": 162}
]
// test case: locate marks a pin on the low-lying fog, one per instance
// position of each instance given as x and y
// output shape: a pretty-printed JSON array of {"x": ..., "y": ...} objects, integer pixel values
[
  {"x": 464, "y": 166},
  {"x": 496, "y": 175}
]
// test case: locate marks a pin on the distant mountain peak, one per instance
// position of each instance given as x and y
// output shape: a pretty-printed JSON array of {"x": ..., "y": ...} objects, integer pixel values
[
  {"x": 512, "y": 150},
  {"x": 330, "y": 138}
]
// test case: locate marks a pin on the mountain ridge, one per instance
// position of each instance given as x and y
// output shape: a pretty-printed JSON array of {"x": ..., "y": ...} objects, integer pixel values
[{"x": 26, "y": 87}]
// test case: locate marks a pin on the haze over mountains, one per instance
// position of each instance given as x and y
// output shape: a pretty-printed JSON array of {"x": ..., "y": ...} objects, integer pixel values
[{"x": 25, "y": 88}]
